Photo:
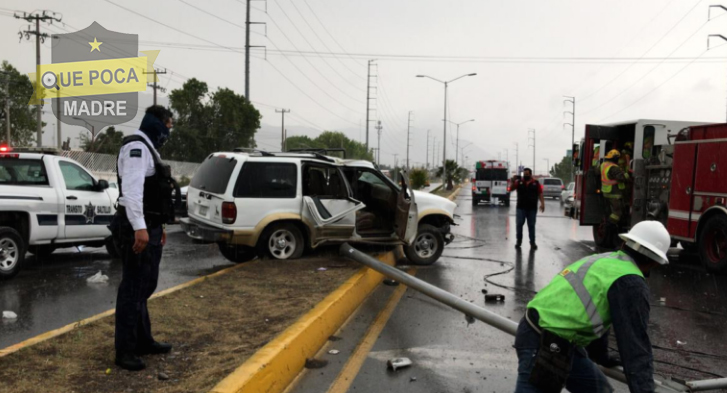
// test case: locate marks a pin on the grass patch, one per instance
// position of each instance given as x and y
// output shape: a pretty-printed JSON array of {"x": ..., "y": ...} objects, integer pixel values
[{"x": 214, "y": 326}]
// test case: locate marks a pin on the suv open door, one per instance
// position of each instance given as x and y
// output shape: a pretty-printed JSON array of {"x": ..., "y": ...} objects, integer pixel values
[{"x": 405, "y": 219}]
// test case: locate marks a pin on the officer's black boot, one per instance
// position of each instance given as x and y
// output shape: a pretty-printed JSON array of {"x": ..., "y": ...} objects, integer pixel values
[
  {"x": 156, "y": 348},
  {"x": 518, "y": 243},
  {"x": 130, "y": 362},
  {"x": 533, "y": 246}
]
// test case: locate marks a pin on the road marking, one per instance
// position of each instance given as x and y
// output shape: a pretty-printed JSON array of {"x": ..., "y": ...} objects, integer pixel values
[{"x": 353, "y": 365}]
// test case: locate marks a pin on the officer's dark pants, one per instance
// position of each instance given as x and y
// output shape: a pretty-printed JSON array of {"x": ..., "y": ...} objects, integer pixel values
[
  {"x": 140, "y": 274},
  {"x": 585, "y": 377}
]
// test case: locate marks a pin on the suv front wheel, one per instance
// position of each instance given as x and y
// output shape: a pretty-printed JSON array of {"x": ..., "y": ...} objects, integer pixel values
[
  {"x": 282, "y": 241},
  {"x": 427, "y": 247}
]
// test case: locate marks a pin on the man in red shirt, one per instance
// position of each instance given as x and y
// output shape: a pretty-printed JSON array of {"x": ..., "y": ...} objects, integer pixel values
[{"x": 529, "y": 191}]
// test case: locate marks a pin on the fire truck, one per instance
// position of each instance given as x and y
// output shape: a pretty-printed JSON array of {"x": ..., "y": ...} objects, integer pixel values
[
  {"x": 491, "y": 182},
  {"x": 678, "y": 177}
]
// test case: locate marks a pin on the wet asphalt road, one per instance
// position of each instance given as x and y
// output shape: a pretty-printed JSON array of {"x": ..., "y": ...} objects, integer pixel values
[
  {"x": 52, "y": 293},
  {"x": 450, "y": 356}
]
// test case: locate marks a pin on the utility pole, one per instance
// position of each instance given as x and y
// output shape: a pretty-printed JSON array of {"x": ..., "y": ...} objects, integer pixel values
[
  {"x": 154, "y": 85},
  {"x": 282, "y": 127},
  {"x": 547, "y": 171},
  {"x": 248, "y": 46},
  {"x": 396, "y": 161},
  {"x": 378, "y": 144},
  {"x": 532, "y": 139},
  {"x": 408, "y": 134},
  {"x": 58, "y": 115},
  {"x": 368, "y": 99},
  {"x": 7, "y": 111},
  {"x": 572, "y": 100},
  {"x": 427, "y": 149},
  {"x": 49, "y": 17}
]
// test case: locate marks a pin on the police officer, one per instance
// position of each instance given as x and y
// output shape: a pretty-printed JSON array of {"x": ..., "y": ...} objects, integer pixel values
[
  {"x": 613, "y": 184},
  {"x": 565, "y": 328},
  {"x": 145, "y": 205}
]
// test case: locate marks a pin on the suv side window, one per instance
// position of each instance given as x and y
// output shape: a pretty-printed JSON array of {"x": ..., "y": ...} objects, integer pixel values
[
  {"x": 267, "y": 180},
  {"x": 76, "y": 178},
  {"x": 323, "y": 182}
]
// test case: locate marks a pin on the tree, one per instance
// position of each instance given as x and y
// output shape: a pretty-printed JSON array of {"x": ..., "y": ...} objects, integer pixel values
[
  {"x": 23, "y": 117},
  {"x": 562, "y": 169},
  {"x": 418, "y": 177},
  {"x": 108, "y": 142},
  {"x": 450, "y": 174},
  {"x": 206, "y": 122},
  {"x": 331, "y": 140}
]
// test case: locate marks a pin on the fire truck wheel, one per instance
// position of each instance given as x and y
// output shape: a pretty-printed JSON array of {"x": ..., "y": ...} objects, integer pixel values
[
  {"x": 603, "y": 235},
  {"x": 713, "y": 244}
]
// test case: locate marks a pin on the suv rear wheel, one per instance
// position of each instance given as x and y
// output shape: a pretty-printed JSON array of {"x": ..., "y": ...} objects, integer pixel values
[
  {"x": 427, "y": 247},
  {"x": 12, "y": 252},
  {"x": 236, "y": 253},
  {"x": 282, "y": 241}
]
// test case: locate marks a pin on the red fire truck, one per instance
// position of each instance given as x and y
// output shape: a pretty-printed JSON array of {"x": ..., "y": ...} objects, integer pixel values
[{"x": 679, "y": 177}]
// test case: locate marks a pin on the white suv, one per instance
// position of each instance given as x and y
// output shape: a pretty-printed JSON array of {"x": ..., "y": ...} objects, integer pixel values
[{"x": 279, "y": 204}]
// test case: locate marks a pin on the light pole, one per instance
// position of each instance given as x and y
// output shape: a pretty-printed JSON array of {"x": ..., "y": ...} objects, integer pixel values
[
  {"x": 572, "y": 100},
  {"x": 547, "y": 169},
  {"x": 446, "y": 84},
  {"x": 456, "y": 158},
  {"x": 93, "y": 132}
]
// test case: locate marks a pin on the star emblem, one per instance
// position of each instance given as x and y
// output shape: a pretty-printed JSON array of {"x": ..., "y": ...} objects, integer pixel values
[
  {"x": 95, "y": 45},
  {"x": 90, "y": 213}
]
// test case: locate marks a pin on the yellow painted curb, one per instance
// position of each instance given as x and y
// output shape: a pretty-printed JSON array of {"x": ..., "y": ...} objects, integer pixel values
[
  {"x": 275, "y": 365},
  {"x": 454, "y": 193},
  {"x": 65, "y": 329}
]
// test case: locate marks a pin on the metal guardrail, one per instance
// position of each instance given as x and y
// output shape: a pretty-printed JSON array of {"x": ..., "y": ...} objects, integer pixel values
[
  {"x": 472, "y": 311},
  {"x": 104, "y": 165}
]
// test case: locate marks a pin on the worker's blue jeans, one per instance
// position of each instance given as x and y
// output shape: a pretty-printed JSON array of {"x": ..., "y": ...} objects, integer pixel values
[
  {"x": 585, "y": 377},
  {"x": 528, "y": 215}
]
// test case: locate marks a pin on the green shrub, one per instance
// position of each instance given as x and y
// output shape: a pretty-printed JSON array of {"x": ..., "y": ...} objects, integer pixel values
[{"x": 418, "y": 178}]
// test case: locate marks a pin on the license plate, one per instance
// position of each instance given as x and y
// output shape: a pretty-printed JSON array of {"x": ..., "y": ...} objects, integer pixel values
[{"x": 203, "y": 210}]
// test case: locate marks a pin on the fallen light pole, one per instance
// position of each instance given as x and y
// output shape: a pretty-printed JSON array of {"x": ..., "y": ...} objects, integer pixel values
[{"x": 472, "y": 311}]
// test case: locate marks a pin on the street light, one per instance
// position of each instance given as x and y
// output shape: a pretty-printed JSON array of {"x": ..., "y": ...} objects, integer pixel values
[
  {"x": 547, "y": 172},
  {"x": 446, "y": 83},
  {"x": 93, "y": 130},
  {"x": 456, "y": 158}
]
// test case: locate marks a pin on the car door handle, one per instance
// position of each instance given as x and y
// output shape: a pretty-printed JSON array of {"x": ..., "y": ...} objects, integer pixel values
[{"x": 72, "y": 197}]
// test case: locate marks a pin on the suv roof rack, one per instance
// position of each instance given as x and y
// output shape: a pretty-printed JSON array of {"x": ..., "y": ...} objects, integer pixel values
[
  {"x": 250, "y": 150},
  {"x": 321, "y": 151}
]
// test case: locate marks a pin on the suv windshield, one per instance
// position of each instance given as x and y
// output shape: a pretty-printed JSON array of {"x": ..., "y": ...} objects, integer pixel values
[
  {"x": 22, "y": 172},
  {"x": 214, "y": 174},
  {"x": 553, "y": 182},
  {"x": 490, "y": 174}
]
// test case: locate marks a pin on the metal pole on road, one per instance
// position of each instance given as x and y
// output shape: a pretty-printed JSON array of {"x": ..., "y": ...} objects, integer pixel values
[{"x": 472, "y": 311}]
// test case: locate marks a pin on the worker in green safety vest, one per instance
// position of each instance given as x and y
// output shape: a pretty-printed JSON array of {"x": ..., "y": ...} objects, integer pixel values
[
  {"x": 564, "y": 332},
  {"x": 596, "y": 153},
  {"x": 613, "y": 185}
]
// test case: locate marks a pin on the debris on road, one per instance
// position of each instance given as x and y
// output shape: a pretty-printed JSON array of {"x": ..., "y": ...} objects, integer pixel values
[
  {"x": 495, "y": 298},
  {"x": 98, "y": 278},
  {"x": 163, "y": 376},
  {"x": 681, "y": 342},
  {"x": 9, "y": 315},
  {"x": 334, "y": 338},
  {"x": 334, "y": 352},
  {"x": 321, "y": 269},
  {"x": 390, "y": 282},
  {"x": 412, "y": 379},
  {"x": 484, "y": 291},
  {"x": 315, "y": 363},
  {"x": 397, "y": 363}
]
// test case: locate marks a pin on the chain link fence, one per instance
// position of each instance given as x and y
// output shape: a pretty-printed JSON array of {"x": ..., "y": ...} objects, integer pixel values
[{"x": 104, "y": 165}]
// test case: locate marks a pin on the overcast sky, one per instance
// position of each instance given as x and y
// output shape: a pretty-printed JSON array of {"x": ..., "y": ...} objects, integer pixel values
[{"x": 622, "y": 59}]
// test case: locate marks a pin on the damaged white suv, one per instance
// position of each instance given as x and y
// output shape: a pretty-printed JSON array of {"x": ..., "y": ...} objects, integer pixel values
[{"x": 279, "y": 204}]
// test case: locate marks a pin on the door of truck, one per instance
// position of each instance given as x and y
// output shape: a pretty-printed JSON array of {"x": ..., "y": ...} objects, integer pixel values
[
  {"x": 592, "y": 202},
  {"x": 87, "y": 211},
  {"x": 405, "y": 220}
]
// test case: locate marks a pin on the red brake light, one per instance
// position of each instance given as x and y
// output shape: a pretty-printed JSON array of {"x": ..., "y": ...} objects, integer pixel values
[
  {"x": 4, "y": 149},
  {"x": 562, "y": 187},
  {"x": 229, "y": 212},
  {"x": 474, "y": 187}
]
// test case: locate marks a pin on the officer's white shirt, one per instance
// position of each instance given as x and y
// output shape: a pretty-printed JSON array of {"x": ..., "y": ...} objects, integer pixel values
[{"x": 132, "y": 171}]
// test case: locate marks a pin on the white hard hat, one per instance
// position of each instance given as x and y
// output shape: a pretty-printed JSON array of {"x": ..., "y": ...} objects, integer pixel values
[{"x": 649, "y": 238}]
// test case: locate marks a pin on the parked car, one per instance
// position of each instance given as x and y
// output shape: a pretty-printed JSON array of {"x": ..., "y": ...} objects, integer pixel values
[
  {"x": 281, "y": 204},
  {"x": 568, "y": 192},
  {"x": 552, "y": 187},
  {"x": 48, "y": 202},
  {"x": 181, "y": 210}
]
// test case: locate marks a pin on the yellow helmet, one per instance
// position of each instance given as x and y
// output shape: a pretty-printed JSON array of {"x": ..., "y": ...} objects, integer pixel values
[{"x": 613, "y": 154}]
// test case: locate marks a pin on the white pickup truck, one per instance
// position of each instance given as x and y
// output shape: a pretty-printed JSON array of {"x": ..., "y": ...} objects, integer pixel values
[{"x": 48, "y": 202}]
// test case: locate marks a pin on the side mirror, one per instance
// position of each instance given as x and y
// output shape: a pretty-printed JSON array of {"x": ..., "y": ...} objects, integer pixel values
[{"x": 102, "y": 185}]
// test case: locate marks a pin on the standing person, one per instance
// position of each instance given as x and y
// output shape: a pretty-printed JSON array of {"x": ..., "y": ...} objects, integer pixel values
[
  {"x": 613, "y": 185},
  {"x": 566, "y": 325},
  {"x": 145, "y": 206},
  {"x": 529, "y": 191}
]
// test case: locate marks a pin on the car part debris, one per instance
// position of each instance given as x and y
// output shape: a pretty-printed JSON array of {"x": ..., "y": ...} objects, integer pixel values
[
  {"x": 9, "y": 315},
  {"x": 321, "y": 269},
  {"x": 681, "y": 342},
  {"x": 469, "y": 318},
  {"x": 495, "y": 297},
  {"x": 163, "y": 376},
  {"x": 413, "y": 379},
  {"x": 390, "y": 282},
  {"x": 397, "y": 363},
  {"x": 334, "y": 352},
  {"x": 334, "y": 338},
  {"x": 98, "y": 278},
  {"x": 484, "y": 291},
  {"x": 315, "y": 363}
]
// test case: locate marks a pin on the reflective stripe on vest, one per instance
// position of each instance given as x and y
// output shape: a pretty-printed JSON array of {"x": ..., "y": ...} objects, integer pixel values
[
  {"x": 604, "y": 174},
  {"x": 576, "y": 281}
]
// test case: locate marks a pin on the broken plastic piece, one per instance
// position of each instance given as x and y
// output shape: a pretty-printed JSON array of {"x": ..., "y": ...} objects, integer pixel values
[
  {"x": 484, "y": 291},
  {"x": 470, "y": 320},
  {"x": 398, "y": 363},
  {"x": 98, "y": 278},
  {"x": 334, "y": 352},
  {"x": 681, "y": 342},
  {"x": 9, "y": 315},
  {"x": 390, "y": 282},
  {"x": 321, "y": 269},
  {"x": 495, "y": 298},
  {"x": 412, "y": 379}
]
